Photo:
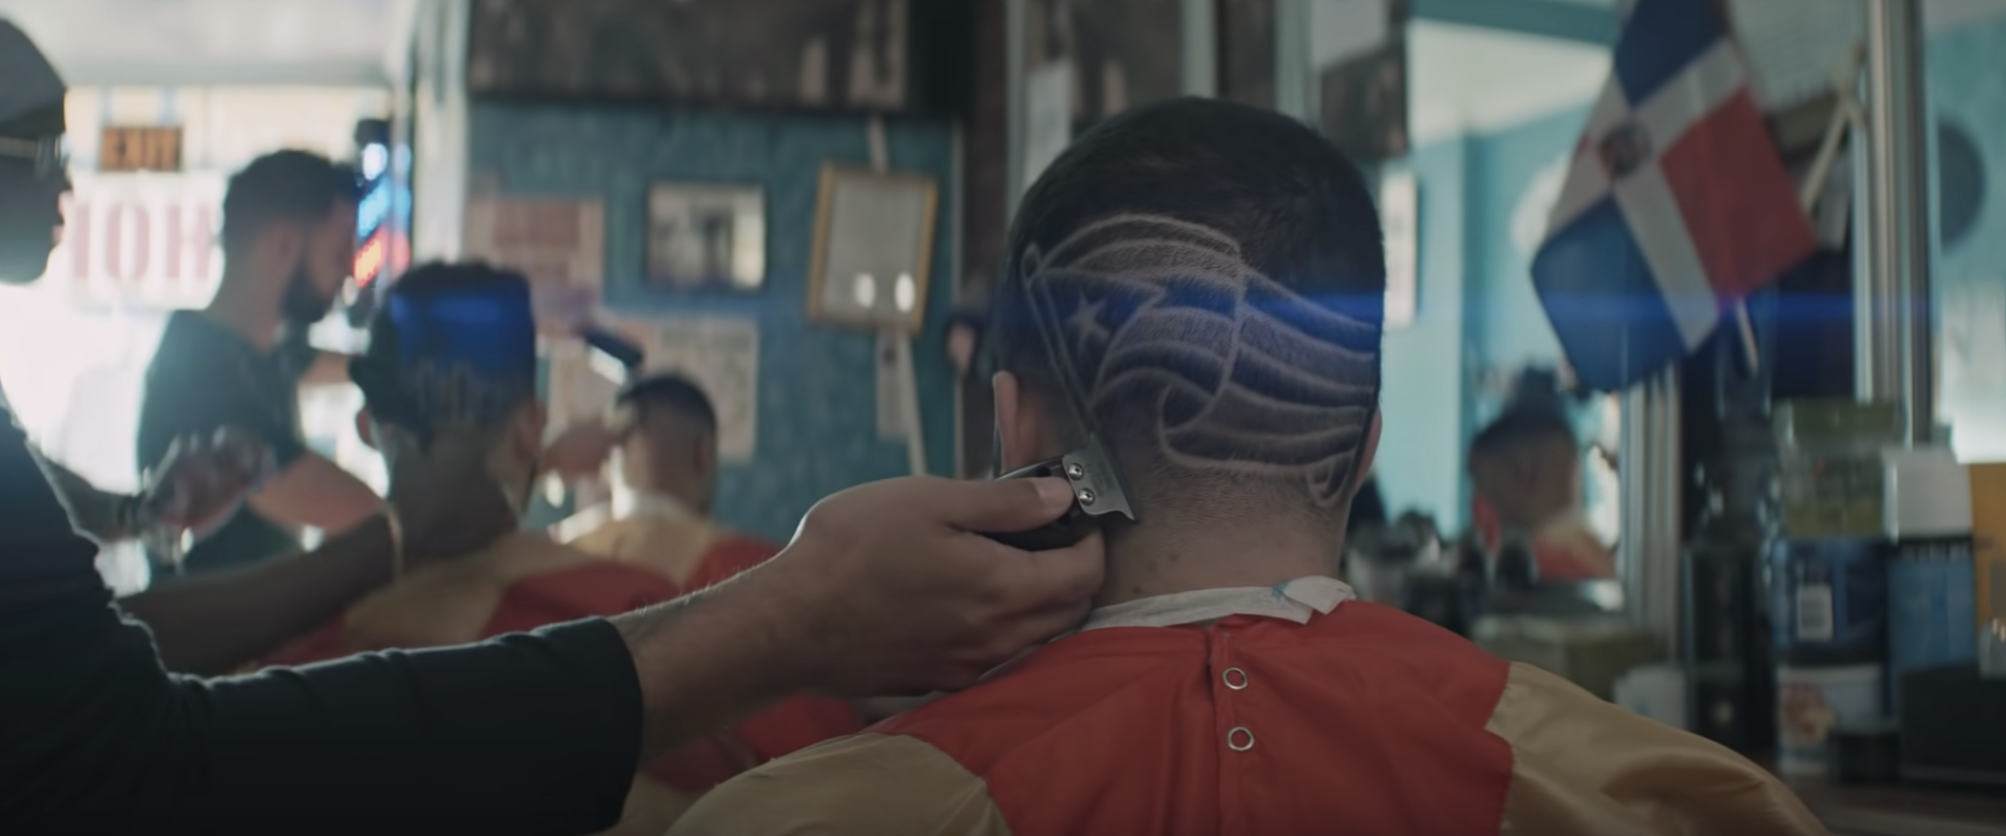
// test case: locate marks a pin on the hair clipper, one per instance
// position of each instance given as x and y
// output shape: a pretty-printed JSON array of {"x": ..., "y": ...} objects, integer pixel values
[{"x": 1097, "y": 492}]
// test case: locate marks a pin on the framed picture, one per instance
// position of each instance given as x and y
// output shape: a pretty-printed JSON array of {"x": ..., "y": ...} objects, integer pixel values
[
  {"x": 873, "y": 245},
  {"x": 706, "y": 236}
]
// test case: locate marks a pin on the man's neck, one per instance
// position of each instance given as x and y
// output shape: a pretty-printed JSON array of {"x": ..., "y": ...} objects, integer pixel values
[
  {"x": 1147, "y": 561},
  {"x": 668, "y": 496},
  {"x": 655, "y": 503},
  {"x": 238, "y": 308}
]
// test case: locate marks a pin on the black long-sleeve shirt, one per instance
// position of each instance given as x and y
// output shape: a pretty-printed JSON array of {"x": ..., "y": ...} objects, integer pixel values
[{"x": 535, "y": 733}]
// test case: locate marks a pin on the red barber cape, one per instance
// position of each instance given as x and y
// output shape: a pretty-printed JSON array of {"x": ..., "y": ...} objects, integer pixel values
[
  {"x": 530, "y": 582},
  {"x": 1363, "y": 720}
]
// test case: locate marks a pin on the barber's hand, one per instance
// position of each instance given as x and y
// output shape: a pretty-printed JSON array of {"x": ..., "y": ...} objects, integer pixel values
[
  {"x": 580, "y": 450},
  {"x": 896, "y": 594},
  {"x": 446, "y": 498},
  {"x": 201, "y": 481}
]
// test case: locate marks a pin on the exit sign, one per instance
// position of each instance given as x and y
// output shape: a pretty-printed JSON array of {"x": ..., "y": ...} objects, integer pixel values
[{"x": 140, "y": 149}]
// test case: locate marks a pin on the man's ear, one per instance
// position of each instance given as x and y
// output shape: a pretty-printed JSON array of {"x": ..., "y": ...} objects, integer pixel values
[
  {"x": 1022, "y": 431},
  {"x": 365, "y": 428}
]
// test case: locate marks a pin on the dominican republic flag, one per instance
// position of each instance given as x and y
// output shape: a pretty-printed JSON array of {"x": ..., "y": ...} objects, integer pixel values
[{"x": 1675, "y": 206}]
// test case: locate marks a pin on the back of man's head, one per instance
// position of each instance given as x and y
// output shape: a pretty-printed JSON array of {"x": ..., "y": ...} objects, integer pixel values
[
  {"x": 672, "y": 445},
  {"x": 283, "y": 187},
  {"x": 1208, "y": 278},
  {"x": 453, "y": 350},
  {"x": 1526, "y": 464}
]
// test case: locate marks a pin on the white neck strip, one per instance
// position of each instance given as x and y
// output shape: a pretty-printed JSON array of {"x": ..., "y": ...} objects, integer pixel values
[{"x": 1296, "y": 601}]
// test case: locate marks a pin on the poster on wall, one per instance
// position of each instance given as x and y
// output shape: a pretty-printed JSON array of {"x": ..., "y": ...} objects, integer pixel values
[
  {"x": 559, "y": 243},
  {"x": 721, "y": 354}
]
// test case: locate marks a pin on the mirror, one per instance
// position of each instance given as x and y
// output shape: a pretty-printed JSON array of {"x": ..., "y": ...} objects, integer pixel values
[{"x": 873, "y": 245}]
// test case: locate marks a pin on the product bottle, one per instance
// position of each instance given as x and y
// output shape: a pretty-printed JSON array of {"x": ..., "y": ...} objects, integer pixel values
[{"x": 1730, "y": 675}]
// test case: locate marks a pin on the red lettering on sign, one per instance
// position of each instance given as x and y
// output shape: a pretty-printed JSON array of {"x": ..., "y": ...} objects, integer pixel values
[
  {"x": 189, "y": 229},
  {"x": 116, "y": 224},
  {"x": 77, "y": 236}
]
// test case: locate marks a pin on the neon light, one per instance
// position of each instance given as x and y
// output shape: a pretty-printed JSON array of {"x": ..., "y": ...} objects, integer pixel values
[
  {"x": 369, "y": 261},
  {"x": 375, "y": 206}
]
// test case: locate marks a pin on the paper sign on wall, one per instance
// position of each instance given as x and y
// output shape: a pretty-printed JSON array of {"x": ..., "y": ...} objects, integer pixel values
[
  {"x": 559, "y": 243},
  {"x": 723, "y": 356},
  {"x": 719, "y": 354}
]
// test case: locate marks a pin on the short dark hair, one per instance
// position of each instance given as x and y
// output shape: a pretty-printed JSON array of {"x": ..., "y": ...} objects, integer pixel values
[
  {"x": 1520, "y": 426},
  {"x": 489, "y": 365},
  {"x": 654, "y": 394},
  {"x": 1211, "y": 279},
  {"x": 283, "y": 187}
]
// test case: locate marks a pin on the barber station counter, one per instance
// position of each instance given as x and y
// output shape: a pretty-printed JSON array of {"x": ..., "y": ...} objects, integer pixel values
[{"x": 1898, "y": 810}]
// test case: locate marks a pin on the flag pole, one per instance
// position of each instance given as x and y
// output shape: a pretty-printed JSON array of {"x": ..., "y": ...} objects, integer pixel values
[{"x": 1846, "y": 112}]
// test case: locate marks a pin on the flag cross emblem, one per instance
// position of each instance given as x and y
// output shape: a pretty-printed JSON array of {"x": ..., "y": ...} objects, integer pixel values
[{"x": 1626, "y": 148}]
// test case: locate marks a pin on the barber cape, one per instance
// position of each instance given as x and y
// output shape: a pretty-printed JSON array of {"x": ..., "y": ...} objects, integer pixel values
[
  {"x": 531, "y": 581},
  {"x": 1261, "y": 711}
]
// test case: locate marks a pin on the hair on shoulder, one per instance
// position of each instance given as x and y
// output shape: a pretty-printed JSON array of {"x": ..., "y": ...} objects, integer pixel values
[
  {"x": 284, "y": 187},
  {"x": 671, "y": 392}
]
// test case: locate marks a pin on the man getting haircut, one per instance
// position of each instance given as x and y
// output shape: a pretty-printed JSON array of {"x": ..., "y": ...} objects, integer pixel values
[
  {"x": 1210, "y": 277},
  {"x": 452, "y": 360}
]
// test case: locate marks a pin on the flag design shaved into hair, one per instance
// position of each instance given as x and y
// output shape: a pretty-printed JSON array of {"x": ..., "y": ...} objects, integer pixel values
[{"x": 1242, "y": 375}]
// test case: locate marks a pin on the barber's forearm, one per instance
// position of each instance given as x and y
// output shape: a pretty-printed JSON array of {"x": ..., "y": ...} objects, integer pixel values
[
  {"x": 94, "y": 511},
  {"x": 711, "y": 659},
  {"x": 212, "y": 624}
]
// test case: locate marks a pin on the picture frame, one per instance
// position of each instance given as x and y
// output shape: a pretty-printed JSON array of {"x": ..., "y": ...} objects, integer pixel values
[
  {"x": 873, "y": 248},
  {"x": 706, "y": 236}
]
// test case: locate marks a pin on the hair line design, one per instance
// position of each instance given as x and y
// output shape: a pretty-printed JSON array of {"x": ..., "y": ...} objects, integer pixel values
[{"x": 1244, "y": 374}]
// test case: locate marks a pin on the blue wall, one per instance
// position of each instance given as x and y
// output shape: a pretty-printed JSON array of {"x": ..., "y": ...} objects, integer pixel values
[
  {"x": 1966, "y": 76},
  {"x": 1420, "y": 464},
  {"x": 1477, "y": 310},
  {"x": 1508, "y": 327},
  {"x": 817, "y": 385}
]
